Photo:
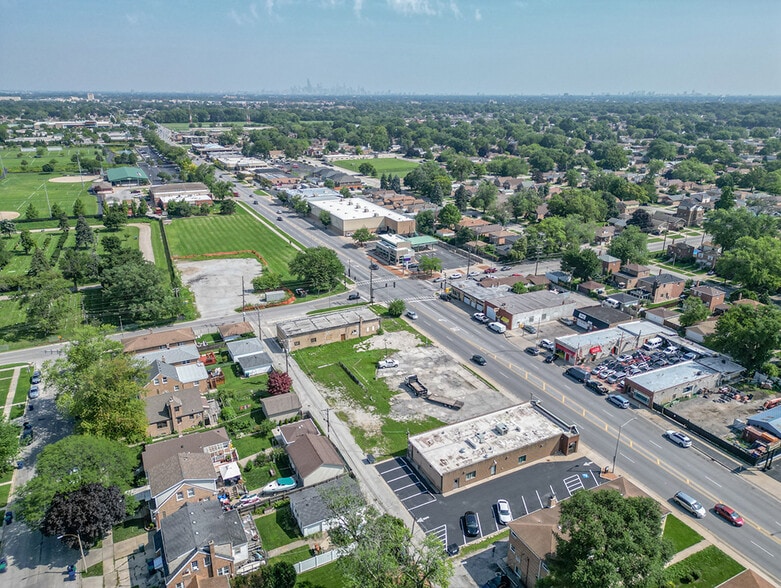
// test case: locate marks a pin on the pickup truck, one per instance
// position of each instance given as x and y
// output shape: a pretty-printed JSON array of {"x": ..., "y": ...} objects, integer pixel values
[{"x": 387, "y": 363}]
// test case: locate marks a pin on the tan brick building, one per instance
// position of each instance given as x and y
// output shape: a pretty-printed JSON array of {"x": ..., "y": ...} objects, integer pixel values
[
  {"x": 181, "y": 479},
  {"x": 467, "y": 453},
  {"x": 322, "y": 329}
]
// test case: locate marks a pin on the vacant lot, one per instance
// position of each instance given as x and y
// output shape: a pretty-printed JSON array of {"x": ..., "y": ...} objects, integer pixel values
[
  {"x": 200, "y": 236},
  {"x": 216, "y": 284},
  {"x": 18, "y": 191},
  {"x": 717, "y": 417},
  {"x": 383, "y": 165}
]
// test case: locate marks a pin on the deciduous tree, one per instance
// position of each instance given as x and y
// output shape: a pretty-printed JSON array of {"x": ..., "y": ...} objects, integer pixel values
[
  {"x": 362, "y": 236},
  {"x": 611, "y": 541},
  {"x": 755, "y": 263},
  {"x": 429, "y": 264},
  {"x": 318, "y": 266},
  {"x": 279, "y": 383},
  {"x": 88, "y": 513},
  {"x": 750, "y": 335},
  {"x": 449, "y": 215},
  {"x": 631, "y": 246},
  {"x": 425, "y": 221},
  {"x": 694, "y": 311},
  {"x": 9, "y": 444},
  {"x": 396, "y": 307},
  {"x": 583, "y": 264}
]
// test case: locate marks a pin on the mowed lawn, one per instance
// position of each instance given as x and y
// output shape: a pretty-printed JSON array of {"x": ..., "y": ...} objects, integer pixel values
[
  {"x": 13, "y": 157},
  {"x": 181, "y": 127},
  {"x": 383, "y": 165},
  {"x": 17, "y": 191},
  {"x": 196, "y": 236}
]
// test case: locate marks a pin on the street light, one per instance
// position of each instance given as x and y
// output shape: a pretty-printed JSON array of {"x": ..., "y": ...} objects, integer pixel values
[
  {"x": 618, "y": 440},
  {"x": 81, "y": 549}
]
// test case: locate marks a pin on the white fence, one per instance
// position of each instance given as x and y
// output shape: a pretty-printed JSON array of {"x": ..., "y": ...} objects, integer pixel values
[{"x": 317, "y": 561}]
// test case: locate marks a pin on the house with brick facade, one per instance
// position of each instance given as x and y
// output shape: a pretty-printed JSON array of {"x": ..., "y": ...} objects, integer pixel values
[
  {"x": 660, "y": 288},
  {"x": 711, "y": 296},
  {"x": 174, "y": 412},
  {"x": 178, "y": 480},
  {"x": 165, "y": 378},
  {"x": 158, "y": 341},
  {"x": 201, "y": 540}
]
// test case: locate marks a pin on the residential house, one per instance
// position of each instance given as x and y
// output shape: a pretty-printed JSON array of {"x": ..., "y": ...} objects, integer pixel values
[
  {"x": 627, "y": 206},
  {"x": 233, "y": 331},
  {"x": 315, "y": 460},
  {"x": 707, "y": 255},
  {"x": 661, "y": 288},
  {"x": 182, "y": 355},
  {"x": 289, "y": 433},
  {"x": 281, "y": 407},
  {"x": 622, "y": 301},
  {"x": 251, "y": 356},
  {"x": 681, "y": 251},
  {"x": 533, "y": 537},
  {"x": 201, "y": 540},
  {"x": 173, "y": 412},
  {"x": 604, "y": 235},
  {"x": 156, "y": 341},
  {"x": 691, "y": 211},
  {"x": 181, "y": 479},
  {"x": 215, "y": 443},
  {"x": 711, "y": 296},
  {"x": 591, "y": 286},
  {"x": 162, "y": 378},
  {"x": 663, "y": 316},
  {"x": 664, "y": 220},
  {"x": 309, "y": 509},
  {"x": 700, "y": 331},
  {"x": 610, "y": 264},
  {"x": 630, "y": 274}
]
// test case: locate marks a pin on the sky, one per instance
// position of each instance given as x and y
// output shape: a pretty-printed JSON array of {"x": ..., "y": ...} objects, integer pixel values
[{"x": 425, "y": 47}]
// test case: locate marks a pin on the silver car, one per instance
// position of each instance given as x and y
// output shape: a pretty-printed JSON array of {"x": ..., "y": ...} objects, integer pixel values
[{"x": 678, "y": 438}]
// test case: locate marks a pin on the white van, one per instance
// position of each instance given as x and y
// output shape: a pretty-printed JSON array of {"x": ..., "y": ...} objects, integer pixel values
[
  {"x": 498, "y": 327},
  {"x": 652, "y": 344}
]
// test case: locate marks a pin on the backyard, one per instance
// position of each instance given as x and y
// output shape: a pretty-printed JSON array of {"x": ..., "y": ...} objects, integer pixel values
[
  {"x": 278, "y": 528},
  {"x": 706, "y": 568}
]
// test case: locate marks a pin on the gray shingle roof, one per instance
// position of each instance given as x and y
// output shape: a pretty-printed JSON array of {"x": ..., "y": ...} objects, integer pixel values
[
  {"x": 178, "y": 468},
  {"x": 309, "y": 507},
  {"x": 155, "y": 453},
  {"x": 245, "y": 347},
  {"x": 195, "y": 524},
  {"x": 172, "y": 356},
  {"x": 280, "y": 404},
  {"x": 254, "y": 361}
]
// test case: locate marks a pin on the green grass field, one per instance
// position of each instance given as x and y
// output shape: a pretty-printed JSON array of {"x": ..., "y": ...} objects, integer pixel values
[
  {"x": 13, "y": 156},
  {"x": 327, "y": 576},
  {"x": 680, "y": 534},
  {"x": 707, "y": 568},
  {"x": 5, "y": 387},
  {"x": 17, "y": 191},
  {"x": 218, "y": 234},
  {"x": 278, "y": 528},
  {"x": 184, "y": 127},
  {"x": 383, "y": 165},
  {"x": 294, "y": 556}
]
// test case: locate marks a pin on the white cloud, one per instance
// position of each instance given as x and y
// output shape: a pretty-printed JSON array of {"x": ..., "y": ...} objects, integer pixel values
[
  {"x": 132, "y": 19},
  {"x": 357, "y": 7},
  {"x": 412, "y": 6},
  {"x": 478, "y": 14},
  {"x": 455, "y": 9},
  {"x": 234, "y": 16}
]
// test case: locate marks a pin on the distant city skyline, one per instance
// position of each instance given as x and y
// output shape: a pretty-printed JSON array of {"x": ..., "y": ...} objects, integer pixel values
[{"x": 376, "y": 47}]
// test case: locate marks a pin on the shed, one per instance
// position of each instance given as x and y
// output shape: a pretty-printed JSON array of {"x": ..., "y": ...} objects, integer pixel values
[{"x": 281, "y": 407}]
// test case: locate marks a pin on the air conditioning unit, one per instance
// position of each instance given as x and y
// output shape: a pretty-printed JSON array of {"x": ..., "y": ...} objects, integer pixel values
[{"x": 502, "y": 429}]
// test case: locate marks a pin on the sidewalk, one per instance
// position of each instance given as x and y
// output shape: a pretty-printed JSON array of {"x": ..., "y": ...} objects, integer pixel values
[
  {"x": 681, "y": 555},
  {"x": 9, "y": 400}
]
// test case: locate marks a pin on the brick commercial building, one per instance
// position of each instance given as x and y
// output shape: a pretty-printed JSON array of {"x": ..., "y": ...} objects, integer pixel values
[
  {"x": 327, "y": 328},
  {"x": 470, "y": 452}
]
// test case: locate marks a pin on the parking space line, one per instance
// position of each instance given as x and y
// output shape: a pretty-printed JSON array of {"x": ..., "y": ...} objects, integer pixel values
[
  {"x": 540, "y": 499},
  {"x": 424, "y": 504},
  {"x": 405, "y": 476},
  {"x": 417, "y": 485},
  {"x": 524, "y": 505}
]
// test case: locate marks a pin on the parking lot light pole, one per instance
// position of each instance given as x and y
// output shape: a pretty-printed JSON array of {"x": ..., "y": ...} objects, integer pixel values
[
  {"x": 618, "y": 441},
  {"x": 81, "y": 549}
]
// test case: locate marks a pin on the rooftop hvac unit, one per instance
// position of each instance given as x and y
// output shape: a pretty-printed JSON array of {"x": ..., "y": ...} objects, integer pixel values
[
  {"x": 471, "y": 444},
  {"x": 502, "y": 429}
]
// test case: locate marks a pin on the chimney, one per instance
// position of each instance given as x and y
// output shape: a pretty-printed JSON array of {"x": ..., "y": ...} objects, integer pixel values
[{"x": 212, "y": 556}]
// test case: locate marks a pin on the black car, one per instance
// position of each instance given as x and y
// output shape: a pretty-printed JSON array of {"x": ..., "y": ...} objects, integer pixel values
[
  {"x": 374, "y": 266},
  {"x": 550, "y": 358},
  {"x": 532, "y": 350},
  {"x": 479, "y": 359},
  {"x": 9, "y": 517},
  {"x": 354, "y": 296},
  {"x": 453, "y": 549},
  {"x": 471, "y": 524},
  {"x": 597, "y": 387}
]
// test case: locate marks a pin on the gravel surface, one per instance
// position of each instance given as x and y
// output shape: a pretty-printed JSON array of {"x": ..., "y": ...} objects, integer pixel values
[{"x": 217, "y": 284}]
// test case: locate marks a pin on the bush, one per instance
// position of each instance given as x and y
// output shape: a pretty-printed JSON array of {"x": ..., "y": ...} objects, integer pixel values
[{"x": 248, "y": 467}]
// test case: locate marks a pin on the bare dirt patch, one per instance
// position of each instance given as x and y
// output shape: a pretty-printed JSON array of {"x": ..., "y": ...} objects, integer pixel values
[
  {"x": 441, "y": 373},
  {"x": 718, "y": 417},
  {"x": 217, "y": 284},
  {"x": 73, "y": 179},
  {"x": 8, "y": 215}
]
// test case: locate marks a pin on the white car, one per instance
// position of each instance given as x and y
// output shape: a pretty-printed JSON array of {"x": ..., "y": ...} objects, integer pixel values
[
  {"x": 478, "y": 316},
  {"x": 473, "y": 274},
  {"x": 678, "y": 438},
  {"x": 412, "y": 315},
  {"x": 455, "y": 276},
  {"x": 503, "y": 512},
  {"x": 547, "y": 344}
]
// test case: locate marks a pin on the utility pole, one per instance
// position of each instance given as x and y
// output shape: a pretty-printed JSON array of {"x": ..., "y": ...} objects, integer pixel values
[
  {"x": 371, "y": 285},
  {"x": 243, "y": 314},
  {"x": 539, "y": 252},
  {"x": 260, "y": 333}
]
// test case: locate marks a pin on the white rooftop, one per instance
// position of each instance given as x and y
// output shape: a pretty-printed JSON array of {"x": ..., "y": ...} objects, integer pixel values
[
  {"x": 358, "y": 208},
  {"x": 462, "y": 444},
  {"x": 674, "y": 375}
]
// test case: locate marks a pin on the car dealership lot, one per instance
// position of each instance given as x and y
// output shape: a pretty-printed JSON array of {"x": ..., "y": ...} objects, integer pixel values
[{"x": 527, "y": 490}]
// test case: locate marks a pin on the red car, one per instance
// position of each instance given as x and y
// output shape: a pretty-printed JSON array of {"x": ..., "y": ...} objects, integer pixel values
[
  {"x": 728, "y": 514},
  {"x": 489, "y": 270}
]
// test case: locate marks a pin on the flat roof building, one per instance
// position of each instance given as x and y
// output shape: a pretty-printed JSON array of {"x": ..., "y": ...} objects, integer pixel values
[
  {"x": 674, "y": 382},
  {"x": 350, "y": 214},
  {"x": 594, "y": 345},
  {"x": 467, "y": 453},
  {"x": 327, "y": 328},
  {"x": 126, "y": 176},
  {"x": 534, "y": 308}
]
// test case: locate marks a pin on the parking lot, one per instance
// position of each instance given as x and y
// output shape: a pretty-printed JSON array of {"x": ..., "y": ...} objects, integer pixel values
[{"x": 527, "y": 491}]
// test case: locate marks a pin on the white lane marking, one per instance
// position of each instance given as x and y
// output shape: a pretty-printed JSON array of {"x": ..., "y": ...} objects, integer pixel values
[
  {"x": 540, "y": 499},
  {"x": 654, "y": 444},
  {"x": 712, "y": 482},
  {"x": 629, "y": 458},
  {"x": 527, "y": 509},
  {"x": 763, "y": 549}
]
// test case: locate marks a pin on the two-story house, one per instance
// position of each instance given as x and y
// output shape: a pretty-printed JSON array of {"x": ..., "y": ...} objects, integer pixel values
[
  {"x": 711, "y": 296},
  {"x": 201, "y": 540},
  {"x": 630, "y": 275},
  {"x": 660, "y": 288},
  {"x": 174, "y": 412},
  {"x": 165, "y": 378},
  {"x": 215, "y": 443},
  {"x": 178, "y": 480}
]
